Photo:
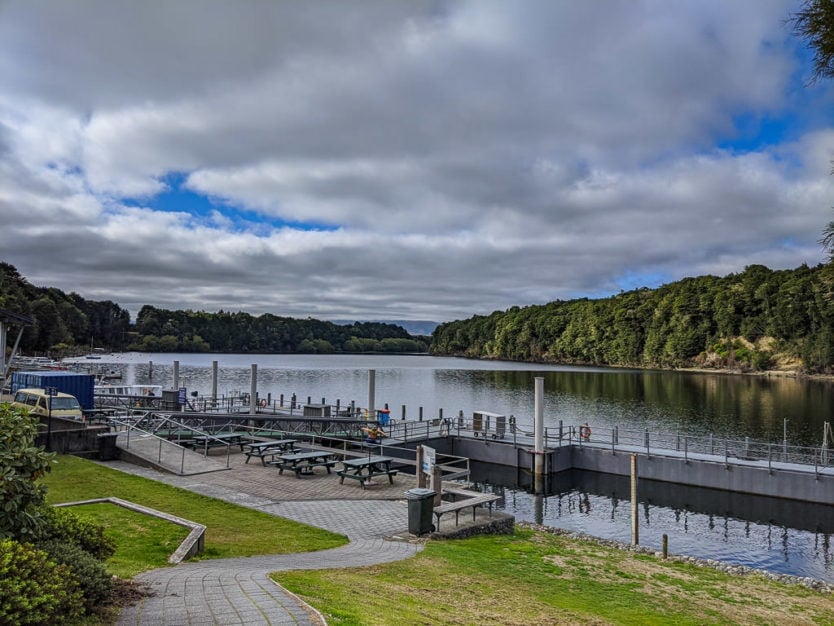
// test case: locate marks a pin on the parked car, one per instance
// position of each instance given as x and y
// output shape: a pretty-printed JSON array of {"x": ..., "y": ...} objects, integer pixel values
[{"x": 38, "y": 401}]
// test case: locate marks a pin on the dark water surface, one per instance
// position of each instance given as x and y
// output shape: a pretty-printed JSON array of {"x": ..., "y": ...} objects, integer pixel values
[{"x": 778, "y": 535}]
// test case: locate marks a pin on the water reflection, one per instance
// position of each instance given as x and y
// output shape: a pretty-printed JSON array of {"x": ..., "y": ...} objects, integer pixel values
[
  {"x": 688, "y": 403},
  {"x": 778, "y": 535}
]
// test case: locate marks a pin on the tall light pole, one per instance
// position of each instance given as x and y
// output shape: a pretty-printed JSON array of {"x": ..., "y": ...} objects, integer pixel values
[{"x": 50, "y": 392}]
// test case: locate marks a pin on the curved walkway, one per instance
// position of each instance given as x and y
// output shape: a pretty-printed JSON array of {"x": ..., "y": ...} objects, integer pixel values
[{"x": 239, "y": 591}]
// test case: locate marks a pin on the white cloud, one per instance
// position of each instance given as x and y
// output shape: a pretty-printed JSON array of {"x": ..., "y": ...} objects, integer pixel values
[{"x": 465, "y": 156}]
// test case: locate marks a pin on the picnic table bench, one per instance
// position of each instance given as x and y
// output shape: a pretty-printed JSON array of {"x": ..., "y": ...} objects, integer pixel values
[
  {"x": 269, "y": 449},
  {"x": 220, "y": 440},
  {"x": 468, "y": 499},
  {"x": 364, "y": 469},
  {"x": 304, "y": 462}
]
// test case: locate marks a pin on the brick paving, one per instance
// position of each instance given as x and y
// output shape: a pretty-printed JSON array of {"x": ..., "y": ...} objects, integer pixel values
[{"x": 239, "y": 591}]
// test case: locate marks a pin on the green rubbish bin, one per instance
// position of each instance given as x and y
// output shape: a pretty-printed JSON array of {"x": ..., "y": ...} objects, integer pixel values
[
  {"x": 107, "y": 450},
  {"x": 420, "y": 507}
]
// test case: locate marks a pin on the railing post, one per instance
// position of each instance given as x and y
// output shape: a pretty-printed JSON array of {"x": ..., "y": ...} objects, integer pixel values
[
  {"x": 182, "y": 461},
  {"x": 769, "y": 457},
  {"x": 648, "y": 450},
  {"x": 726, "y": 453},
  {"x": 613, "y": 438},
  {"x": 711, "y": 444},
  {"x": 686, "y": 449},
  {"x": 617, "y": 435}
]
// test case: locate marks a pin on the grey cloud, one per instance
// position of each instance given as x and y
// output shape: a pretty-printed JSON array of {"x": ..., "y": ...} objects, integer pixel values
[{"x": 471, "y": 156}]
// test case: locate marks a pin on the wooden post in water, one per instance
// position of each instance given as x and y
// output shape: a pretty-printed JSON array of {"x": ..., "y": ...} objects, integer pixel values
[
  {"x": 371, "y": 394},
  {"x": 665, "y": 545},
  {"x": 635, "y": 533},
  {"x": 253, "y": 390},
  {"x": 214, "y": 370},
  {"x": 176, "y": 374},
  {"x": 538, "y": 427},
  {"x": 150, "y": 370}
]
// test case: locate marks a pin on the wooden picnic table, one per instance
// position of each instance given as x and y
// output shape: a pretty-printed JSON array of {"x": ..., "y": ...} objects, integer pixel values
[
  {"x": 271, "y": 448},
  {"x": 364, "y": 469},
  {"x": 304, "y": 462},
  {"x": 220, "y": 439}
]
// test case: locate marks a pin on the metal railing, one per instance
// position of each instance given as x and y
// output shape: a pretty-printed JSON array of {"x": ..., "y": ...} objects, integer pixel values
[
  {"x": 726, "y": 449},
  {"x": 148, "y": 444}
]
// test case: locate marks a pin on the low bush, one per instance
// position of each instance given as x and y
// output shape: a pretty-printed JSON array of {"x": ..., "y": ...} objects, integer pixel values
[
  {"x": 63, "y": 525},
  {"x": 94, "y": 581},
  {"x": 34, "y": 589}
]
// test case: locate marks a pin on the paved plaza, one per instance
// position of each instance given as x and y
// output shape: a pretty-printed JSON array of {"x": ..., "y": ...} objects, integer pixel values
[{"x": 239, "y": 591}]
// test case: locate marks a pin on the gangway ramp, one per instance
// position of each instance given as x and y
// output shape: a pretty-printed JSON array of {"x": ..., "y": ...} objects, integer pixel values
[{"x": 149, "y": 449}]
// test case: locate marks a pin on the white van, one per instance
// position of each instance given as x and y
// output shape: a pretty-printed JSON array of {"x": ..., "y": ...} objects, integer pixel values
[{"x": 37, "y": 401}]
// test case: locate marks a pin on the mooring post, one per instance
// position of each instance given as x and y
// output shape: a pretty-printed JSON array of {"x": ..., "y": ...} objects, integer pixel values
[
  {"x": 538, "y": 427},
  {"x": 785, "y": 440},
  {"x": 176, "y": 375},
  {"x": 371, "y": 393},
  {"x": 403, "y": 417},
  {"x": 150, "y": 370},
  {"x": 420, "y": 414},
  {"x": 253, "y": 390},
  {"x": 665, "y": 545},
  {"x": 214, "y": 370},
  {"x": 635, "y": 533}
]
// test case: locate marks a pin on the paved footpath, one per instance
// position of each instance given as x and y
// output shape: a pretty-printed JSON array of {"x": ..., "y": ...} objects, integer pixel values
[{"x": 239, "y": 591}]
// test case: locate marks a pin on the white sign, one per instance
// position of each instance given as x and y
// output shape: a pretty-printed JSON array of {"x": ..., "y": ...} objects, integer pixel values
[{"x": 429, "y": 457}]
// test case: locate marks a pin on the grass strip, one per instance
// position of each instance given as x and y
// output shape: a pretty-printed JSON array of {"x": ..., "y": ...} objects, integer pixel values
[
  {"x": 541, "y": 578},
  {"x": 231, "y": 530}
]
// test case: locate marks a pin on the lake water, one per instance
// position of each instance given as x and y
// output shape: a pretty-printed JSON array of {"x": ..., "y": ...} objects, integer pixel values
[{"x": 759, "y": 532}]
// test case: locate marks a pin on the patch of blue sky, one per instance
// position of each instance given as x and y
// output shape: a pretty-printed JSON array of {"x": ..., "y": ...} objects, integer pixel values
[
  {"x": 755, "y": 132},
  {"x": 635, "y": 280},
  {"x": 758, "y": 130},
  {"x": 177, "y": 198}
]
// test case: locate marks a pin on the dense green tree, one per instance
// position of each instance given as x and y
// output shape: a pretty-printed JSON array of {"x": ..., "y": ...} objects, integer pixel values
[{"x": 695, "y": 321}]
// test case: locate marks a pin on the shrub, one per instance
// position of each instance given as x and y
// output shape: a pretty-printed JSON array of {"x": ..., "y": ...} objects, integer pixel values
[
  {"x": 94, "y": 581},
  {"x": 21, "y": 465},
  {"x": 34, "y": 590},
  {"x": 63, "y": 525}
]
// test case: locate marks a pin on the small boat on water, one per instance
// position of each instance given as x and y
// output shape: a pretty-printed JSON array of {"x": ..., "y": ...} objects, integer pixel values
[{"x": 146, "y": 391}]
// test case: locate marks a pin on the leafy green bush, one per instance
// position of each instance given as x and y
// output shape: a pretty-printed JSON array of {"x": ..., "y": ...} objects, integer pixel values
[
  {"x": 94, "y": 581},
  {"x": 63, "y": 525},
  {"x": 21, "y": 465},
  {"x": 34, "y": 590}
]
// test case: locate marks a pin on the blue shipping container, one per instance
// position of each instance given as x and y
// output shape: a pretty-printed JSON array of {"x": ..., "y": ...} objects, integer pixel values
[{"x": 81, "y": 386}]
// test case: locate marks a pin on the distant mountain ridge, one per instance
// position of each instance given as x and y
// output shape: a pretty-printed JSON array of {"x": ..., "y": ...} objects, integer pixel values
[{"x": 414, "y": 327}]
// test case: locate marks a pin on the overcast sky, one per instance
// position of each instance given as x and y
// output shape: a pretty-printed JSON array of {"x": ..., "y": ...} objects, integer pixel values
[{"x": 404, "y": 160}]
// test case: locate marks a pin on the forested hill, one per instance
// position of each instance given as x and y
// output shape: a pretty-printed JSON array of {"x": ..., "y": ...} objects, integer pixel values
[
  {"x": 66, "y": 323},
  {"x": 758, "y": 319}
]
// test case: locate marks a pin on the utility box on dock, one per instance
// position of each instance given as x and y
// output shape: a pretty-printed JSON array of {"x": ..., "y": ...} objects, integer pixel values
[
  {"x": 170, "y": 400},
  {"x": 316, "y": 410},
  {"x": 484, "y": 421}
]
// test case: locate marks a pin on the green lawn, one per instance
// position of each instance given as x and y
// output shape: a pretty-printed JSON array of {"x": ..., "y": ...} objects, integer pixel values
[
  {"x": 231, "y": 530},
  {"x": 542, "y": 578},
  {"x": 527, "y": 578}
]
